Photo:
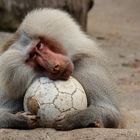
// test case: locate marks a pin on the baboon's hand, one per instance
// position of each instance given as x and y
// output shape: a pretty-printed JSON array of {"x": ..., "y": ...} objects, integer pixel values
[{"x": 31, "y": 121}]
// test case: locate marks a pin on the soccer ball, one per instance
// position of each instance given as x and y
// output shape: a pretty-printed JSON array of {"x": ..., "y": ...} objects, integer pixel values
[{"x": 48, "y": 99}]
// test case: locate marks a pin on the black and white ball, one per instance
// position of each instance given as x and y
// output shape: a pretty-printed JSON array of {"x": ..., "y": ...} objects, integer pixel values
[{"x": 48, "y": 99}]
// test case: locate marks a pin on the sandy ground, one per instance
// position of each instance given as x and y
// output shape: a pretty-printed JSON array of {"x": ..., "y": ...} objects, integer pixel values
[{"x": 114, "y": 24}]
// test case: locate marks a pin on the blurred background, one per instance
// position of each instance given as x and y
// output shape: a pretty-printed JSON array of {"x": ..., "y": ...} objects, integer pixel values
[
  {"x": 114, "y": 24},
  {"x": 13, "y": 11}
]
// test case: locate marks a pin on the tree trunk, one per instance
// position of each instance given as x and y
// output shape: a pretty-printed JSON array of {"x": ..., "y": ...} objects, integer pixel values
[{"x": 13, "y": 11}]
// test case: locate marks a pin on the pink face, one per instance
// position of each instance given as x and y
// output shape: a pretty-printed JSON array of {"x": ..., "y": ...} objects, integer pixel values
[{"x": 51, "y": 58}]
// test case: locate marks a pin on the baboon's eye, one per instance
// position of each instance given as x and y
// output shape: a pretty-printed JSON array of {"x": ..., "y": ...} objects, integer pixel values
[{"x": 40, "y": 45}]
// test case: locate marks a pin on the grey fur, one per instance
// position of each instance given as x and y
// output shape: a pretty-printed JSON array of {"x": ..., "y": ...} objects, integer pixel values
[{"x": 15, "y": 77}]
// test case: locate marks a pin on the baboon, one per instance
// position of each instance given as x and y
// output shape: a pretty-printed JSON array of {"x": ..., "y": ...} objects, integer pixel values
[{"x": 50, "y": 43}]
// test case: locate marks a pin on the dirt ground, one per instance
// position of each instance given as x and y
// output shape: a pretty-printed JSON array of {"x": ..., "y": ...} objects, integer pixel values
[{"x": 115, "y": 25}]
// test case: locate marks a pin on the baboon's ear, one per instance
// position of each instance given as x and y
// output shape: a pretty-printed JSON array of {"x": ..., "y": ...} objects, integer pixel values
[
  {"x": 22, "y": 42},
  {"x": 23, "y": 39}
]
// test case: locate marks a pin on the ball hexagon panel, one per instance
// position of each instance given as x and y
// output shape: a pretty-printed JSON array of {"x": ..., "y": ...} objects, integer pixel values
[{"x": 63, "y": 102}]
